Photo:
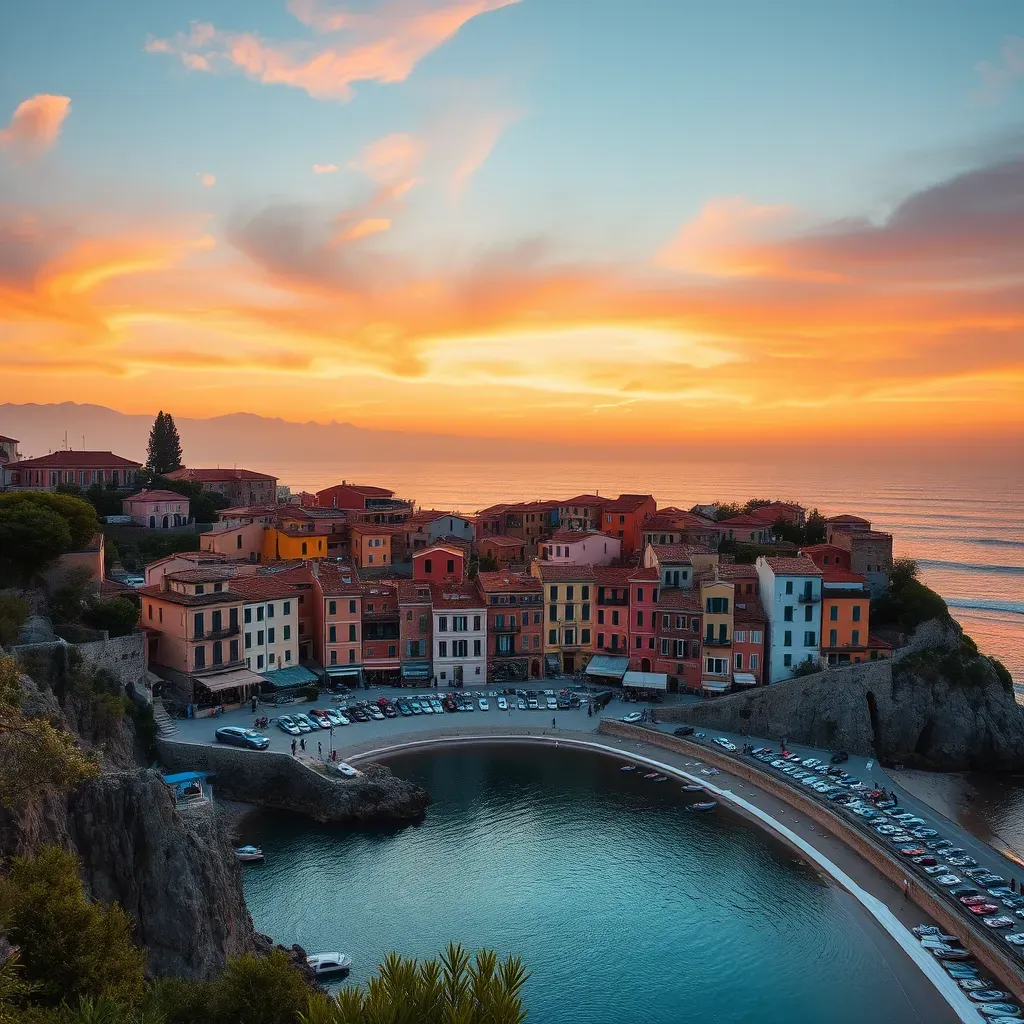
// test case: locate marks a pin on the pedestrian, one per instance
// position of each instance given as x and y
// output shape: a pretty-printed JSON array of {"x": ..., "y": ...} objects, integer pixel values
[
  {"x": 302, "y": 743},
  {"x": 254, "y": 704},
  {"x": 293, "y": 748},
  {"x": 906, "y": 889},
  {"x": 320, "y": 750},
  {"x": 553, "y": 726},
  {"x": 1013, "y": 884}
]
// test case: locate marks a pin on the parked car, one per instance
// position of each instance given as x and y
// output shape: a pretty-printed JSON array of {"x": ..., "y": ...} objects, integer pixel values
[
  {"x": 346, "y": 769},
  {"x": 285, "y": 724},
  {"x": 236, "y": 736},
  {"x": 840, "y": 757},
  {"x": 633, "y": 716},
  {"x": 725, "y": 744},
  {"x": 684, "y": 730}
]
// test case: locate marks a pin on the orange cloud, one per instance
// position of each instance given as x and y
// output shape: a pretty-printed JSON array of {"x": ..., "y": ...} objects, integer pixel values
[
  {"x": 379, "y": 45},
  {"x": 207, "y": 180},
  {"x": 393, "y": 158},
  {"x": 363, "y": 228},
  {"x": 325, "y": 168},
  {"x": 36, "y": 123}
]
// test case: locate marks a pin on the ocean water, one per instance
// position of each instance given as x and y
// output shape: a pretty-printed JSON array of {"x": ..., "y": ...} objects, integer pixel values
[
  {"x": 963, "y": 521},
  {"x": 622, "y": 905}
]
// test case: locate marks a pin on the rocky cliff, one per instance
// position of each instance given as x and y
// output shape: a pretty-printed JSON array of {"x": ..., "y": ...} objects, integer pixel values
[{"x": 938, "y": 705}]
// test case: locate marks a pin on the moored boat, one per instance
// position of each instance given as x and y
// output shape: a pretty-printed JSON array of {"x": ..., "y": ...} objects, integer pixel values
[
  {"x": 324, "y": 965},
  {"x": 661, "y": 778},
  {"x": 651, "y": 775},
  {"x": 249, "y": 854},
  {"x": 628, "y": 768},
  {"x": 693, "y": 789},
  {"x": 706, "y": 805}
]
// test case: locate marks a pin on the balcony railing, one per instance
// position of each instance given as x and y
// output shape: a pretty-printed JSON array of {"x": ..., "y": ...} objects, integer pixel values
[
  {"x": 222, "y": 666},
  {"x": 717, "y": 641},
  {"x": 809, "y": 598},
  {"x": 506, "y": 628},
  {"x": 216, "y": 634}
]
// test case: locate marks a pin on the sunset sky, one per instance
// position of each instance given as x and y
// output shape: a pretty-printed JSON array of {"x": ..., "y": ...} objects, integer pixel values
[{"x": 636, "y": 221}]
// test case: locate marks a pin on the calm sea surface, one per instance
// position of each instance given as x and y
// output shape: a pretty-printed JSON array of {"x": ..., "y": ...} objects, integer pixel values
[
  {"x": 623, "y": 906},
  {"x": 962, "y": 521}
]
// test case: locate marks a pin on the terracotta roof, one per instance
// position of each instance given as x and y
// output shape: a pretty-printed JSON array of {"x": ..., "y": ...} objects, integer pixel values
[
  {"x": 823, "y": 549},
  {"x": 743, "y": 520},
  {"x": 574, "y": 535},
  {"x": 557, "y": 572},
  {"x": 614, "y": 576},
  {"x": 503, "y": 542},
  {"x": 679, "y": 600},
  {"x": 366, "y": 490},
  {"x": 207, "y": 575},
  {"x": 730, "y": 571},
  {"x": 669, "y": 519},
  {"x": 675, "y": 553},
  {"x": 586, "y": 499},
  {"x": 213, "y": 475},
  {"x": 429, "y": 515},
  {"x": 76, "y": 460},
  {"x": 190, "y": 600},
  {"x": 847, "y": 519},
  {"x": 509, "y": 582},
  {"x": 842, "y": 576},
  {"x": 338, "y": 579},
  {"x": 113, "y": 588},
  {"x": 456, "y": 595},
  {"x": 749, "y": 609},
  {"x": 628, "y": 502},
  {"x": 409, "y": 592},
  {"x": 9, "y": 440},
  {"x": 534, "y": 506},
  {"x": 798, "y": 566},
  {"x": 261, "y": 588},
  {"x": 156, "y": 496},
  {"x": 493, "y": 510},
  {"x": 859, "y": 534},
  {"x": 449, "y": 549},
  {"x": 199, "y": 557}
]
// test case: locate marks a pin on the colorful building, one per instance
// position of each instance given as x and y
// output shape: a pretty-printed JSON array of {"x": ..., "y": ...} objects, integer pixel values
[
  {"x": 285, "y": 544},
  {"x": 8, "y": 456},
  {"x": 370, "y": 545},
  {"x": 460, "y": 634},
  {"x": 790, "y": 591},
  {"x": 270, "y": 622},
  {"x": 47, "y": 472},
  {"x": 568, "y": 640},
  {"x": 588, "y": 547},
  {"x": 415, "y": 632},
  {"x": 678, "y": 638},
  {"x": 427, "y": 527},
  {"x": 439, "y": 562},
  {"x": 747, "y": 529},
  {"x": 504, "y": 551},
  {"x": 748, "y": 639},
  {"x": 624, "y": 518},
  {"x": 845, "y": 620},
  {"x": 239, "y": 486},
  {"x": 612, "y": 611},
  {"x": 678, "y": 565},
  {"x": 515, "y": 612},
  {"x": 582, "y": 512},
  {"x": 376, "y": 504},
  {"x": 870, "y": 550},
  {"x": 827, "y": 556},
  {"x": 671, "y": 526},
  {"x": 382, "y": 663},
  {"x": 157, "y": 510}
]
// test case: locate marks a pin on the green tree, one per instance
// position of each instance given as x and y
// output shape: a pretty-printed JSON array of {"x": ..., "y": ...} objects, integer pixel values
[
  {"x": 35, "y": 756},
  {"x": 13, "y": 613},
  {"x": 72, "y": 948},
  {"x": 260, "y": 990},
  {"x": 70, "y": 597},
  {"x": 488, "y": 563},
  {"x": 726, "y": 510},
  {"x": 78, "y": 513},
  {"x": 814, "y": 528},
  {"x": 30, "y": 540},
  {"x": 164, "y": 452},
  {"x": 14, "y": 989},
  {"x": 902, "y": 572},
  {"x": 117, "y": 615},
  {"x": 449, "y": 990}
]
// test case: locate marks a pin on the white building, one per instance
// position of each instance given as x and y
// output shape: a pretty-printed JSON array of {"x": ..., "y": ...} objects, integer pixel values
[
  {"x": 460, "y": 634},
  {"x": 270, "y": 623},
  {"x": 791, "y": 596},
  {"x": 580, "y": 547}
]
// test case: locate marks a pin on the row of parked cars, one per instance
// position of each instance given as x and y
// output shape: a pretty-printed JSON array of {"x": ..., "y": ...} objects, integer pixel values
[{"x": 970, "y": 886}]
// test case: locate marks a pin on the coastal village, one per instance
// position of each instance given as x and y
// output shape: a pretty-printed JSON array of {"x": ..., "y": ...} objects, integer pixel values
[{"x": 355, "y": 585}]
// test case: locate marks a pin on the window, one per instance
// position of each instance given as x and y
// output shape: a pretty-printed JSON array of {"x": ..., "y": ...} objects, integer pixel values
[
  {"x": 615, "y": 617},
  {"x": 787, "y": 613},
  {"x": 833, "y": 638},
  {"x": 665, "y": 620},
  {"x": 259, "y": 638},
  {"x": 570, "y": 612},
  {"x": 333, "y": 634},
  {"x": 789, "y": 586},
  {"x": 248, "y": 639},
  {"x": 351, "y": 607},
  {"x": 810, "y": 638},
  {"x": 739, "y": 661},
  {"x": 536, "y": 641},
  {"x": 755, "y": 636},
  {"x": 234, "y": 650},
  {"x": 200, "y": 657},
  {"x": 352, "y": 633},
  {"x": 334, "y": 657},
  {"x": 238, "y": 541},
  {"x": 856, "y": 613},
  {"x": 552, "y": 636},
  {"x": 680, "y": 648},
  {"x": 451, "y": 566},
  {"x": 754, "y": 662},
  {"x": 332, "y": 607},
  {"x": 536, "y": 618},
  {"x": 639, "y": 642},
  {"x": 570, "y": 637},
  {"x": 639, "y": 618},
  {"x": 739, "y": 636},
  {"x": 351, "y": 656},
  {"x": 270, "y": 635},
  {"x": 442, "y": 624},
  {"x": 600, "y": 641},
  {"x": 247, "y": 616},
  {"x": 287, "y": 608},
  {"x": 856, "y": 637},
  {"x": 476, "y": 623},
  {"x": 787, "y": 639},
  {"x": 259, "y": 614},
  {"x": 600, "y": 616},
  {"x": 460, "y": 648},
  {"x": 391, "y": 650},
  {"x": 270, "y": 610},
  {"x": 369, "y": 561},
  {"x": 460, "y": 623},
  {"x": 808, "y": 614},
  {"x": 476, "y": 648},
  {"x": 197, "y": 625},
  {"x": 200, "y": 589},
  {"x": 584, "y": 636},
  {"x": 270, "y": 659},
  {"x": 787, "y": 660},
  {"x": 717, "y": 666},
  {"x": 442, "y": 648},
  {"x": 717, "y": 605},
  {"x": 586, "y": 613},
  {"x": 833, "y": 613},
  {"x": 428, "y": 565},
  {"x": 554, "y": 593},
  {"x": 569, "y": 593},
  {"x": 150, "y": 612},
  {"x": 303, "y": 551},
  {"x": 288, "y": 655},
  {"x": 259, "y": 657}
]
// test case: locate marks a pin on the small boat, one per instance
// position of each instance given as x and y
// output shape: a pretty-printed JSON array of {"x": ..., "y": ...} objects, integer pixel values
[
  {"x": 951, "y": 954},
  {"x": 249, "y": 854},
  {"x": 693, "y": 789},
  {"x": 628, "y": 768},
  {"x": 326, "y": 964},
  {"x": 661, "y": 778},
  {"x": 706, "y": 805},
  {"x": 709, "y": 771},
  {"x": 651, "y": 775}
]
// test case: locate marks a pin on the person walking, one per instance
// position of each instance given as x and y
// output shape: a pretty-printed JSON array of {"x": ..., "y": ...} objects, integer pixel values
[
  {"x": 293, "y": 748},
  {"x": 906, "y": 889},
  {"x": 553, "y": 725},
  {"x": 302, "y": 743},
  {"x": 320, "y": 750}
]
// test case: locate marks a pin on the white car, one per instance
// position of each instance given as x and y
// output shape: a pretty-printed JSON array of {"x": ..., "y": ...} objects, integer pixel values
[
  {"x": 552, "y": 703},
  {"x": 484, "y": 706},
  {"x": 633, "y": 716},
  {"x": 347, "y": 770},
  {"x": 521, "y": 704},
  {"x": 502, "y": 704},
  {"x": 725, "y": 744}
]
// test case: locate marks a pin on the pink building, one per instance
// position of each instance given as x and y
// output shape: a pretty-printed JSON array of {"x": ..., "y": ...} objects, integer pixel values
[
  {"x": 82, "y": 468},
  {"x": 158, "y": 510},
  {"x": 643, "y": 618},
  {"x": 337, "y": 621},
  {"x": 437, "y": 563},
  {"x": 575, "y": 547}
]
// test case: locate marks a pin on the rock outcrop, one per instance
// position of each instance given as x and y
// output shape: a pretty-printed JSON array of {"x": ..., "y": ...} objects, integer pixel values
[
  {"x": 937, "y": 705},
  {"x": 280, "y": 782}
]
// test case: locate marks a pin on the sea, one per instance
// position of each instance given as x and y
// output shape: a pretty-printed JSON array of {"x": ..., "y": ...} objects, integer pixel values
[
  {"x": 961, "y": 519},
  {"x": 623, "y": 906}
]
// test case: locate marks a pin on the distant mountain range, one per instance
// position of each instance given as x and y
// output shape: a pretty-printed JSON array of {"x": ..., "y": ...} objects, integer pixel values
[{"x": 238, "y": 439}]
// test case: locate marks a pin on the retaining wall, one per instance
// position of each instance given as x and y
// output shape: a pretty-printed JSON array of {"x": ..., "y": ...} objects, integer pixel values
[
  {"x": 124, "y": 657},
  {"x": 981, "y": 943}
]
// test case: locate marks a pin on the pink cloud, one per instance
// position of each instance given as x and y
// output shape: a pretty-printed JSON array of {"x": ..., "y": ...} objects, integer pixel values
[
  {"x": 364, "y": 228},
  {"x": 325, "y": 168},
  {"x": 208, "y": 180},
  {"x": 391, "y": 159},
  {"x": 380, "y": 45},
  {"x": 36, "y": 123},
  {"x": 481, "y": 142}
]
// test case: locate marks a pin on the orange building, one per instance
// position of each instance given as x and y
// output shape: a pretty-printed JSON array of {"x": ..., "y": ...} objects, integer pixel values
[
  {"x": 370, "y": 545},
  {"x": 625, "y": 517},
  {"x": 439, "y": 562},
  {"x": 504, "y": 550},
  {"x": 337, "y": 601},
  {"x": 845, "y": 620}
]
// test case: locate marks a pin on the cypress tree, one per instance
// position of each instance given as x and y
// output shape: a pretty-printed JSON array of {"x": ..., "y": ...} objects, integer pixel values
[{"x": 164, "y": 453}]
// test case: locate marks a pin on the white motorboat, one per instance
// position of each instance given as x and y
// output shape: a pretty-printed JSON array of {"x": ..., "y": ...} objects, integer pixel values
[
  {"x": 706, "y": 805},
  {"x": 249, "y": 854},
  {"x": 324, "y": 965}
]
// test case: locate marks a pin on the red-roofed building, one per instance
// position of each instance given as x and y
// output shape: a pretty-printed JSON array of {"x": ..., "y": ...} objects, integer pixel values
[
  {"x": 270, "y": 622},
  {"x": 678, "y": 638},
  {"x": 8, "y": 456},
  {"x": 415, "y": 631},
  {"x": 581, "y": 547},
  {"x": 375, "y": 504},
  {"x": 336, "y": 603},
  {"x": 438, "y": 563},
  {"x": 870, "y": 550},
  {"x": 427, "y": 527},
  {"x": 845, "y": 620},
  {"x": 382, "y": 663},
  {"x": 158, "y": 510},
  {"x": 676, "y": 526},
  {"x": 787, "y": 511},
  {"x": 505, "y": 551},
  {"x": 46, "y": 472},
  {"x": 790, "y": 591},
  {"x": 679, "y": 564},
  {"x": 568, "y": 639},
  {"x": 748, "y": 638},
  {"x": 460, "y": 634},
  {"x": 582, "y": 512},
  {"x": 370, "y": 544},
  {"x": 239, "y": 486},
  {"x": 625, "y": 517},
  {"x": 612, "y": 599},
  {"x": 515, "y": 612},
  {"x": 747, "y": 529}
]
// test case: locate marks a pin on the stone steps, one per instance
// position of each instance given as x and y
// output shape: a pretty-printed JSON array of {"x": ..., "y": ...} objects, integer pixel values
[{"x": 164, "y": 723}]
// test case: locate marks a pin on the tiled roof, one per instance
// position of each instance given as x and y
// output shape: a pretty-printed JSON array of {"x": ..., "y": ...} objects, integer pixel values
[
  {"x": 447, "y": 548},
  {"x": 508, "y": 582},
  {"x": 614, "y": 576},
  {"x": 565, "y": 536},
  {"x": 534, "y": 506},
  {"x": 214, "y": 475},
  {"x": 679, "y": 600},
  {"x": 842, "y": 576},
  {"x": 206, "y": 575},
  {"x": 428, "y": 515},
  {"x": 366, "y": 490},
  {"x": 730, "y": 571},
  {"x": 627, "y": 502},
  {"x": 798, "y": 566},
  {"x": 847, "y": 519},
  {"x": 338, "y": 579},
  {"x": 872, "y": 534},
  {"x": 586, "y": 499},
  {"x": 823, "y": 549},
  {"x": 261, "y": 588},
  {"x": 675, "y": 553},
  {"x": 199, "y": 557},
  {"x": 409, "y": 592},
  {"x": 113, "y": 588},
  {"x": 743, "y": 520},
  {"x": 493, "y": 510},
  {"x": 503, "y": 542},
  {"x": 642, "y": 574},
  {"x": 556, "y": 572},
  {"x": 376, "y": 529},
  {"x": 8, "y": 440},
  {"x": 456, "y": 595},
  {"x": 749, "y": 609},
  {"x": 156, "y": 496},
  {"x": 190, "y": 600},
  {"x": 76, "y": 460}
]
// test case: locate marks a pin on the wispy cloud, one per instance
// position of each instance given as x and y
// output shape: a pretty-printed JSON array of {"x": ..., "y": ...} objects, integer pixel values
[
  {"x": 392, "y": 158},
  {"x": 325, "y": 168},
  {"x": 35, "y": 124},
  {"x": 998, "y": 76},
  {"x": 383, "y": 44},
  {"x": 364, "y": 228},
  {"x": 207, "y": 180},
  {"x": 482, "y": 140}
]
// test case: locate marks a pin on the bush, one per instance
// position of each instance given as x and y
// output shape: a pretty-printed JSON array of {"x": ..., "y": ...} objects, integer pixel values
[
  {"x": 13, "y": 613},
  {"x": 79, "y": 515},
  {"x": 311, "y": 692},
  {"x": 117, "y": 615},
  {"x": 69, "y": 599}
]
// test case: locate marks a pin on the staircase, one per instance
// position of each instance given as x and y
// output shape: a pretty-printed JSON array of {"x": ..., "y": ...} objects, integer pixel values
[{"x": 164, "y": 723}]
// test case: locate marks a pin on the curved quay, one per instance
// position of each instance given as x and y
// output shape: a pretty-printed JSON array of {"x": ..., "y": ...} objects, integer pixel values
[{"x": 965, "y": 1010}]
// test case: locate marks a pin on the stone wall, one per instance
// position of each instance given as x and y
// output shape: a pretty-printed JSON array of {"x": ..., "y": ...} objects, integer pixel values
[
  {"x": 124, "y": 657},
  {"x": 270, "y": 779},
  {"x": 984, "y": 947}
]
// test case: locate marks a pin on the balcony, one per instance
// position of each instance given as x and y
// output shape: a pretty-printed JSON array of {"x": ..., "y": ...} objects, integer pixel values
[
  {"x": 221, "y": 666},
  {"x": 216, "y": 634},
  {"x": 809, "y": 598},
  {"x": 612, "y": 602},
  {"x": 507, "y": 628},
  {"x": 510, "y": 653},
  {"x": 717, "y": 641}
]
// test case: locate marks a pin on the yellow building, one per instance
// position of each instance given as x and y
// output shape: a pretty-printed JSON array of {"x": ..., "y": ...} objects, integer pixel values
[
  {"x": 718, "y": 604},
  {"x": 370, "y": 544},
  {"x": 281, "y": 545},
  {"x": 568, "y": 633}
]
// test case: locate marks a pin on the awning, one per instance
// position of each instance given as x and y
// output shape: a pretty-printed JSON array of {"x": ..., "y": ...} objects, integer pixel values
[
  {"x": 286, "y": 678},
  {"x": 606, "y": 665},
  {"x": 337, "y": 671},
  {"x": 646, "y": 680},
  {"x": 416, "y": 670},
  {"x": 238, "y": 678},
  {"x": 183, "y": 777},
  {"x": 715, "y": 685},
  {"x": 744, "y": 679}
]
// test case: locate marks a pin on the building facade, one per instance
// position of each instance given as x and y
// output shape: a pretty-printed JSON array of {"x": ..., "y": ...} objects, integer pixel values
[
  {"x": 270, "y": 623},
  {"x": 382, "y": 663},
  {"x": 336, "y": 602},
  {"x": 439, "y": 562},
  {"x": 568, "y": 638},
  {"x": 157, "y": 510},
  {"x": 415, "y": 631},
  {"x": 460, "y": 634},
  {"x": 515, "y": 613},
  {"x": 580, "y": 547},
  {"x": 83, "y": 468},
  {"x": 790, "y": 591},
  {"x": 239, "y": 486},
  {"x": 624, "y": 518}
]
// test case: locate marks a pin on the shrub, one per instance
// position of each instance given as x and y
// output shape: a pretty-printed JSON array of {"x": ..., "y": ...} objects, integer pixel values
[
  {"x": 13, "y": 613},
  {"x": 260, "y": 990},
  {"x": 79, "y": 515},
  {"x": 311, "y": 692},
  {"x": 117, "y": 615},
  {"x": 69, "y": 599}
]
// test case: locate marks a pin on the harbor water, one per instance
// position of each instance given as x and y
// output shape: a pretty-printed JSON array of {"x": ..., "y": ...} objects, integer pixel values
[{"x": 624, "y": 906}]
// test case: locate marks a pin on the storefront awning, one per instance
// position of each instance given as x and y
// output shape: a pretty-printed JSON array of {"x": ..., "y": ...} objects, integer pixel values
[
  {"x": 339, "y": 671},
  {"x": 646, "y": 680},
  {"x": 287, "y": 678},
  {"x": 744, "y": 679},
  {"x": 238, "y": 678},
  {"x": 416, "y": 670},
  {"x": 715, "y": 685},
  {"x": 607, "y": 666}
]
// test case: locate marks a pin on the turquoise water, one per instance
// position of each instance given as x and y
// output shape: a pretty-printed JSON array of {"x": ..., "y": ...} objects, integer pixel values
[{"x": 623, "y": 906}]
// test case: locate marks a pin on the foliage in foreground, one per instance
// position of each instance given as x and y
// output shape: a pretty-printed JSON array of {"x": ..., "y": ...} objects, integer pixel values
[{"x": 907, "y": 602}]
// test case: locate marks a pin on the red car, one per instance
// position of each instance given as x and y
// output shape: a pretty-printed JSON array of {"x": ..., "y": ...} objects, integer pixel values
[
  {"x": 913, "y": 851},
  {"x": 982, "y": 909},
  {"x": 971, "y": 901},
  {"x": 320, "y": 717}
]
